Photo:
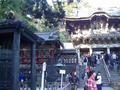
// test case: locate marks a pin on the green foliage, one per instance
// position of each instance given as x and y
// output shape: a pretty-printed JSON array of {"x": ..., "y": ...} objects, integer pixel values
[
  {"x": 17, "y": 6},
  {"x": 8, "y": 5},
  {"x": 37, "y": 9},
  {"x": 70, "y": 7},
  {"x": 64, "y": 37}
]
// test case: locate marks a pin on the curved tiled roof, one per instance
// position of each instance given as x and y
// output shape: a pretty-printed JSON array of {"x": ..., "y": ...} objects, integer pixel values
[
  {"x": 52, "y": 36},
  {"x": 88, "y": 17}
]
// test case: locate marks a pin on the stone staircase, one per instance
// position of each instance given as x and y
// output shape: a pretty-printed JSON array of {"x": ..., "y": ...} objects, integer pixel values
[
  {"x": 100, "y": 68},
  {"x": 115, "y": 79},
  {"x": 81, "y": 71},
  {"x": 115, "y": 75}
]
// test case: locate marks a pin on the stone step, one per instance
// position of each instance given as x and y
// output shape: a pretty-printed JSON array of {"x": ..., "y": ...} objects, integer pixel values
[
  {"x": 103, "y": 88},
  {"x": 100, "y": 68}
]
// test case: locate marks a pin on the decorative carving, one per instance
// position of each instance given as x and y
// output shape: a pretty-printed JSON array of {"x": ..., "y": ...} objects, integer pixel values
[{"x": 99, "y": 28}]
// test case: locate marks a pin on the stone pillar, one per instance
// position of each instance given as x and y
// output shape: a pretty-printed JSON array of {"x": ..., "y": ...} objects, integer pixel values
[
  {"x": 78, "y": 54},
  {"x": 108, "y": 50},
  {"x": 33, "y": 67},
  {"x": 16, "y": 60},
  {"x": 79, "y": 63},
  {"x": 90, "y": 30},
  {"x": 90, "y": 51}
]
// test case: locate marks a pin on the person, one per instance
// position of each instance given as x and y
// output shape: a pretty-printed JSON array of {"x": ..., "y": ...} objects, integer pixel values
[
  {"x": 88, "y": 69},
  {"x": 118, "y": 65},
  {"x": 91, "y": 81},
  {"x": 22, "y": 79},
  {"x": 114, "y": 59},
  {"x": 68, "y": 77},
  {"x": 85, "y": 61},
  {"x": 106, "y": 58},
  {"x": 99, "y": 81},
  {"x": 73, "y": 79}
]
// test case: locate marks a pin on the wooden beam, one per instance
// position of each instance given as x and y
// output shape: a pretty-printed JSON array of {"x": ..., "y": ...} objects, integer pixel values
[
  {"x": 6, "y": 31},
  {"x": 28, "y": 37}
]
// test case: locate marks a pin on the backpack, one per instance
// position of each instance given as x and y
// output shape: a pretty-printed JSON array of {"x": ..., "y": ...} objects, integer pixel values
[{"x": 85, "y": 60}]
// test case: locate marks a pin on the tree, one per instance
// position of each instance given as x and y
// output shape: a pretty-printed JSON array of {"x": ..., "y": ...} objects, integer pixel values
[
  {"x": 36, "y": 9},
  {"x": 39, "y": 9},
  {"x": 8, "y": 5}
]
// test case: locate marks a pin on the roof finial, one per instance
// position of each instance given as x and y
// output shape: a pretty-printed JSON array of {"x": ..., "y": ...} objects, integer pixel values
[{"x": 10, "y": 15}]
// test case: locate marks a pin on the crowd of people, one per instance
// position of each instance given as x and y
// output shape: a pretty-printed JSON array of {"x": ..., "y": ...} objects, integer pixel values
[
  {"x": 93, "y": 80},
  {"x": 113, "y": 61}
]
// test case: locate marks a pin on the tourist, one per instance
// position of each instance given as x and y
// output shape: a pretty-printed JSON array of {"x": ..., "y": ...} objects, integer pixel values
[
  {"x": 73, "y": 81},
  {"x": 118, "y": 63},
  {"x": 85, "y": 61},
  {"x": 22, "y": 79},
  {"x": 114, "y": 58},
  {"x": 91, "y": 81},
  {"x": 88, "y": 69},
  {"x": 99, "y": 81},
  {"x": 106, "y": 58}
]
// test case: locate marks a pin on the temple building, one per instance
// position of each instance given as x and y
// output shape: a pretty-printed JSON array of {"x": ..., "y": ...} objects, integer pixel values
[
  {"x": 95, "y": 33},
  {"x": 23, "y": 52}
]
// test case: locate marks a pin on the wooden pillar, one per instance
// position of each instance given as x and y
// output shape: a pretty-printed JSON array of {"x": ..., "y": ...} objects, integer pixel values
[
  {"x": 16, "y": 60},
  {"x": 33, "y": 68}
]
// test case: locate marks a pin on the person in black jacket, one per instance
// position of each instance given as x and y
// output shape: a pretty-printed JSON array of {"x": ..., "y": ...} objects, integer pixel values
[{"x": 73, "y": 79}]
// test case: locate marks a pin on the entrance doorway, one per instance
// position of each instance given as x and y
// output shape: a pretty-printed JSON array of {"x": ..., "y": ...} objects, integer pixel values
[
  {"x": 84, "y": 51},
  {"x": 99, "y": 50}
]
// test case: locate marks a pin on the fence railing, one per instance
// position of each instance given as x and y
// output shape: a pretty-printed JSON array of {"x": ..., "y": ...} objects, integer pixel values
[
  {"x": 50, "y": 86},
  {"x": 56, "y": 86},
  {"x": 5, "y": 54},
  {"x": 107, "y": 71},
  {"x": 66, "y": 87}
]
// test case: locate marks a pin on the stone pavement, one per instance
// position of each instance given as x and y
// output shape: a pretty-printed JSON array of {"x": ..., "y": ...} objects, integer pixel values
[{"x": 103, "y": 88}]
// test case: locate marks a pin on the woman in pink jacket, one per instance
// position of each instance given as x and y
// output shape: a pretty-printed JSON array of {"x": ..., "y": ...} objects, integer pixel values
[{"x": 91, "y": 81}]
